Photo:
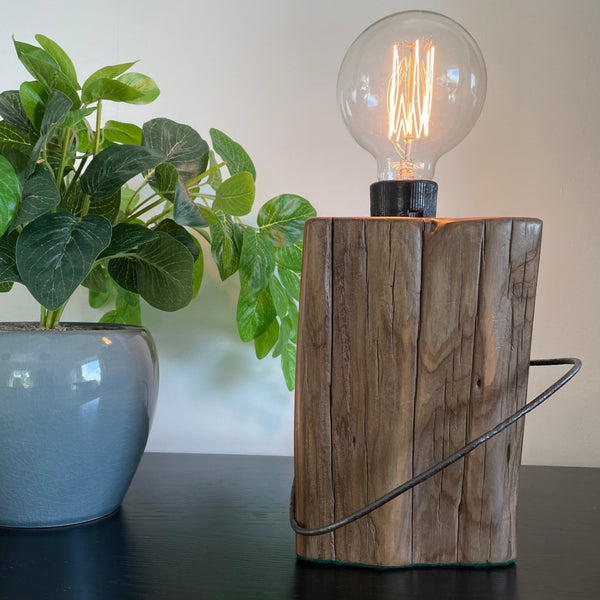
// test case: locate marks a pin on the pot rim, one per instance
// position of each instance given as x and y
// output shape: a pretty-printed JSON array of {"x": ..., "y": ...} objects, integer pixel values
[{"x": 65, "y": 327}]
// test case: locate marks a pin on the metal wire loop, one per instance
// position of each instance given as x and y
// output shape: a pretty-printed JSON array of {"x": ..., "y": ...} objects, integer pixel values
[{"x": 411, "y": 483}]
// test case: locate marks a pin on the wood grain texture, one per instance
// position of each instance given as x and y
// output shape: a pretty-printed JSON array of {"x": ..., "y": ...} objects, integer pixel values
[
  {"x": 350, "y": 392},
  {"x": 393, "y": 315},
  {"x": 451, "y": 262},
  {"x": 499, "y": 386},
  {"x": 312, "y": 437},
  {"x": 375, "y": 322},
  {"x": 414, "y": 339}
]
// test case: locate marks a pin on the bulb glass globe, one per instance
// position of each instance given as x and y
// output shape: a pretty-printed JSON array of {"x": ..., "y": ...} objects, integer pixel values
[{"x": 410, "y": 88}]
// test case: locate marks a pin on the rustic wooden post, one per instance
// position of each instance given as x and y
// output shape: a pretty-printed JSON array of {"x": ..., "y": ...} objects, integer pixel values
[{"x": 414, "y": 338}]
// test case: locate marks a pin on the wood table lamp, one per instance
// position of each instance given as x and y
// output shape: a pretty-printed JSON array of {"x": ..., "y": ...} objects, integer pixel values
[{"x": 414, "y": 333}]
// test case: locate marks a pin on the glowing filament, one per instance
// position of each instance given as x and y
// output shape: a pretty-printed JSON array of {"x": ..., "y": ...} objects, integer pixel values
[{"x": 410, "y": 94}]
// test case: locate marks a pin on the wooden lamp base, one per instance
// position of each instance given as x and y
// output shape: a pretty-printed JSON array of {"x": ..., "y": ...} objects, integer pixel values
[{"x": 414, "y": 338}]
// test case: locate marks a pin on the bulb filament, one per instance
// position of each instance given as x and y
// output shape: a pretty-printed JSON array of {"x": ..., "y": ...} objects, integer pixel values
[{"x": 409, "y": 98}]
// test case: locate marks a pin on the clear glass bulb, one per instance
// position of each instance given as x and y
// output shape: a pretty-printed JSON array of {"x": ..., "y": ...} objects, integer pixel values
[{"x": 410, "y": 88}]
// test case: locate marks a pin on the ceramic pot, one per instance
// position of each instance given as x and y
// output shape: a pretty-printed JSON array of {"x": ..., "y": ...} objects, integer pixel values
[{"x": 76, "y": 407}]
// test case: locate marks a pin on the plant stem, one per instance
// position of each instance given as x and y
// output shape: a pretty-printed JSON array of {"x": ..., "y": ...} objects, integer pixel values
[
  {"x": 135, "y": 193},
  {"x": 50, "y": 318},
  {"x": 63, "y": 157},
  {"x": 86, "y": 205},
  {"x": 76, "y": 176},
  {"x": 98, "y": 128},
  {"x": 55, "y": 316},
  {"x": 145, "y": 209},
  {"x": 157, "y": 218},
  {"x": 206, "y": 173},
  {"x": 145, "y": 201}
]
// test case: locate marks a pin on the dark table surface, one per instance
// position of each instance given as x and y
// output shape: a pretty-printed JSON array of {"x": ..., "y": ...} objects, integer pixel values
[{"x": 214, "y": 526}]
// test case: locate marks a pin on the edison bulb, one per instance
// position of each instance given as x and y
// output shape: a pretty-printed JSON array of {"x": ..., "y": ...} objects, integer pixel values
[{"x": 410, "y": 88}]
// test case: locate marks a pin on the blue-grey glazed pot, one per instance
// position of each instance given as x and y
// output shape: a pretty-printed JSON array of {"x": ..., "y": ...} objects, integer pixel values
[{"x": 75, "y": 412}]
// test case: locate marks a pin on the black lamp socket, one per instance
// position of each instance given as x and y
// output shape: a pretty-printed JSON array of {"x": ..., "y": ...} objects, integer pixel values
[{"x": 406, "y": 198}]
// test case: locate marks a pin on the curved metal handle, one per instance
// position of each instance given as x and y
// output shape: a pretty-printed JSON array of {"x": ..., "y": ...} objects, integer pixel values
[{"x": 411, "y": 483}]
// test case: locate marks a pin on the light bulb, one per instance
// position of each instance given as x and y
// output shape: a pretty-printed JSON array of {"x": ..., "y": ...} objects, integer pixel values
[{"x": 410, "y": 88}]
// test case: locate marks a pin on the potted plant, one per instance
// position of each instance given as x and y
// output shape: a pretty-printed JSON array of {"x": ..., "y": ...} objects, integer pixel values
[{"x": 128, "y": 213}]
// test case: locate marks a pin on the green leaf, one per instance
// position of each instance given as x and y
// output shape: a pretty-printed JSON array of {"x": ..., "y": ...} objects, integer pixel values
[
  {"x": 290, "y": 280},
  {"x": 280, "y": 297},
  {"x": 109, "y": 72},
  {"x": 9, "y": 194},
  {"x": 40, "y": 195},
  {"x": 181, "y": 234},
  {"x": 124, "y": 312},
  {"x": 75, "y": 116},
  {"x": 198, "y": 270},
  {"x": 123, "y": 133},
  {"x": 33, "y": 97},
  {"x": 8, "y": 265},
  {"x": 236, "y": 195},
  {"x": 29, "y": 52},
  {"x": 130, "y": 314},
  {"x": 108, "y": 208},
  {"x": 56, "y": 252},
  {"x": 133, "y": 88},
  {"x": 13, "y": 139},
  {"x": 165, "y": 181},
  {"x": 18, "y": 161},
  {"x": 181, "y": 144},
  {"x": 290, "y": 257},
  {"x": 85, "y": 137},
  {"x": 214, "y": 179},
  {"x": 74, "y": 201},
  {"x": 160, "y": 271},
  {"x": 254, "y": 315},
  {"x": 60, "y": 56},
  {"x": 6, "y": 287},
  {"x": 165, "y": 273},
  {"x": 257, "y": 263},
  {"x": 185, "y": 212},
  {"x": 283, "y": 338},
  {"x": 97, "y": 280},
  {"x": 46, "y": 70},
  {"x": 127, "y": 296},
  {"x": 109, "y": 89},
  {"x": 57, "y": 107},
  {"x": 142, "y": 83},
  {"x": 126, "y": 237},
  {"x": 282, "y": 218},
  {"x": 232, "y": 153},
  {"x": 99, "y": 299},
  {"x": 225, "y": 246},
  {"x": 115, "y": 166},
  {"x": 123, "y": 271},
  {"x": 264, "y": 342},
  {"x": 293, "y": 320},
  {"x": 288, "y": 366},
  {"x": 112, "y": 316},
  {"x": 12, "y": 111}
]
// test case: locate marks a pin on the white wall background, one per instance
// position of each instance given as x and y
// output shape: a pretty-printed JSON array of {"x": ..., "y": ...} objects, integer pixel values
[{"x": 265, "y": 72}]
